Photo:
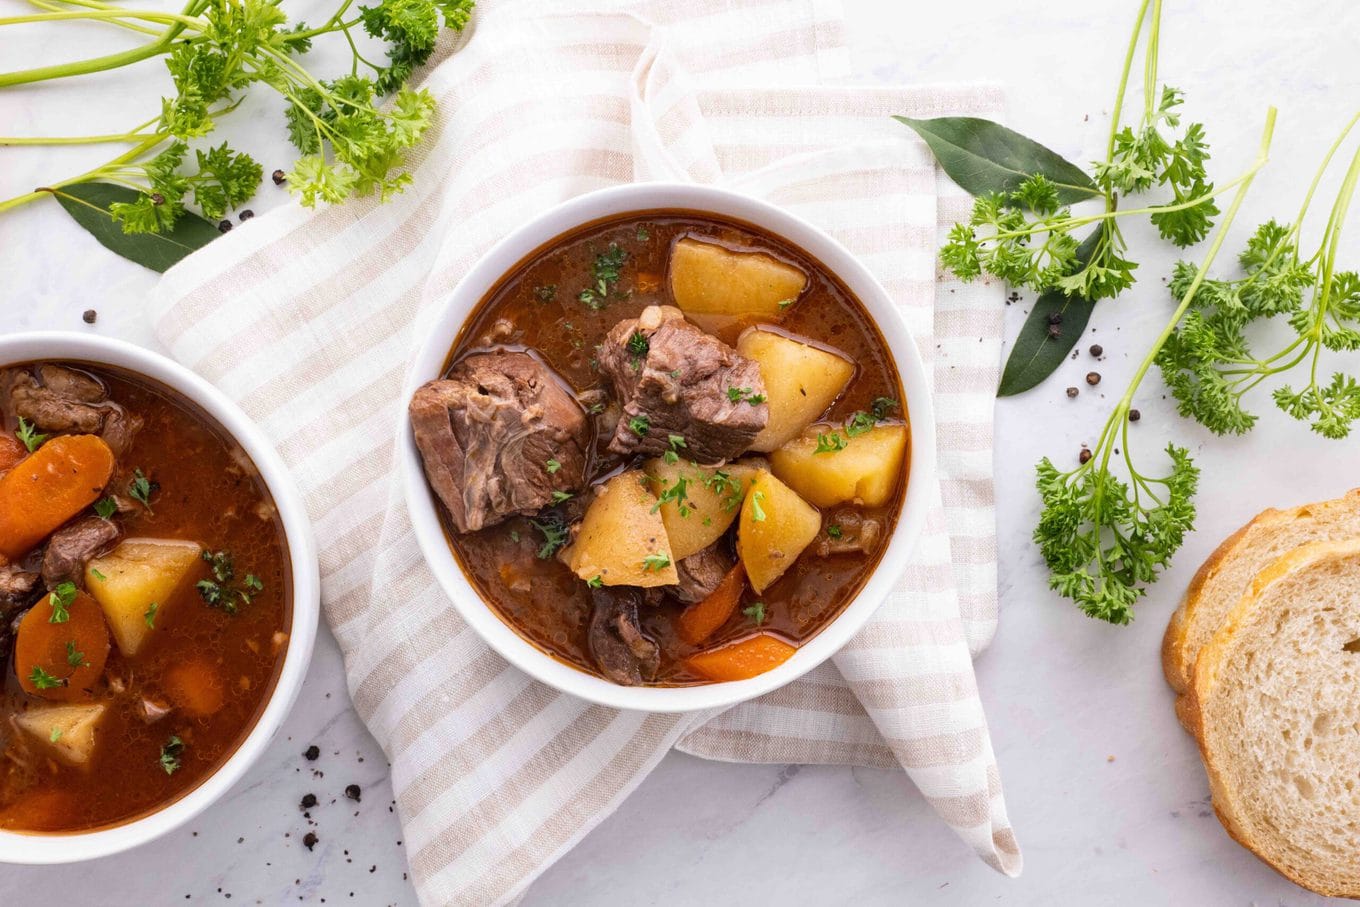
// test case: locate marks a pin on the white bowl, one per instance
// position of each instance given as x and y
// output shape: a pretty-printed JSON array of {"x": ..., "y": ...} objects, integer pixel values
[
  {"x": 70, "y": 847},
  {"x": 443, "y": 329}
]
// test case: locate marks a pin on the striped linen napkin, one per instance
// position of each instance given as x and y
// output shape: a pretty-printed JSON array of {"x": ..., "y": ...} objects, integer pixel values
[{"x": 308, "y": 318}]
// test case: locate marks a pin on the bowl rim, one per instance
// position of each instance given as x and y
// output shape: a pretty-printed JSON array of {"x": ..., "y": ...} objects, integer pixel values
[
  {"x": 441, "y": 326},
  {"x": 71, "y": 847}
]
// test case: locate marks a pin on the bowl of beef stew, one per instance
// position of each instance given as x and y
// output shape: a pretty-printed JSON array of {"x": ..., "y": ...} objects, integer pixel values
[
  {"x": 159, "y": 596},
  {"x": 667, "y": 447}
]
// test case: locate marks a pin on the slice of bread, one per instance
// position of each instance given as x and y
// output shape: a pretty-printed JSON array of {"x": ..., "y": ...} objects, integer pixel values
[
  {"x": 1224, "y": 577},
  {"x": 1275, "y": 705}
]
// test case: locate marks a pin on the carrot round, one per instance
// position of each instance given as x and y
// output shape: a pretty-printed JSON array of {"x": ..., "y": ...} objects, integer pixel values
[
  {"x": 61, "y": 660},
  {"x": 50, "y": 486},
  {"x": 195, "y": 686},
  {"x": 12, "y": 451},
  {"x": 742, "y": 660},
  {"x": 703, "y": 618}
]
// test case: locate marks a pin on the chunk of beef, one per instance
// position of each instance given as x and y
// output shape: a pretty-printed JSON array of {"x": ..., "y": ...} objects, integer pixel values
[
  {"x": 855, "y": 534},
  {"x": 59, "y": 400},
  {"x": 701, "y": 572},
  {"x": 674, "y": 379},
  {"x": 16, "y": 594},
  {"x": 617, "y": 643},
  {"x": 70, "y": 548},
  {"x": 487, "y": 431}
]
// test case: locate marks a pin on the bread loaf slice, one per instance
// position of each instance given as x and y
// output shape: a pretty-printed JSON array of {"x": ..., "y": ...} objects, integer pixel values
[
  {"x": 1275, "y": 705},
  {"x": 1224, "y": 577}
]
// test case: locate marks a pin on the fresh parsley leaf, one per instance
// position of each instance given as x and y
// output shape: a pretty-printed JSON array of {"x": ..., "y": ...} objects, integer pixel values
[
  {"x": 830, "y": 442},
  {"x": 640, "y": 425},
  {"x": 559, "y": 496},
  {"x": 672, "y": 455},
  {"x": 141, "y": 488},
  {"x": 595, "y": 581},
  {"x": 676, "y": 493},
  {"x": 638, "y": 346},
  {"x": 738, "y": 394},
  {"x": 555, "y": 534},
  {"x": 54, "y": 735},
  {"x": 755, "y": 611},
  {"x": 74, "y": 658},
  {"x": 552, "y": 466},
  {"x": 546, "y": 293},
  {"x": 150, "y": 615},
  {"x": 785, "y": 303},
  {"x": 43, "y": 680},
  {"x": 61, "y": 599},
  {"x": 833, "y": 531},
  {"x": 757, "y": 506},
  {"x": 172, "y": 754},
  {"x": 725, "y": 486},
  {"x": 97, "y": 575},
  {"x": 655, "y": 562},
  {"x": 29, "y": 435},
  {"x": 106, "y": 508}
]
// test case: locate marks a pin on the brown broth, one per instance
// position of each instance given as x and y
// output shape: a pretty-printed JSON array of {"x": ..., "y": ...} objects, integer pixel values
[
  {"x": 554, "y": 612},
  {"x": 209, "y": 493}
]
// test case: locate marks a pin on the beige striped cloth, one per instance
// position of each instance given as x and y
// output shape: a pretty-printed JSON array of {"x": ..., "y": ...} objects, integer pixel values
[{"x": 309, "y": 318}]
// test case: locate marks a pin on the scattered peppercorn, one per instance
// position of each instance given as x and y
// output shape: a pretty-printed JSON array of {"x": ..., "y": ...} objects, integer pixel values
[
  {"x": 224, "y": 227},
  {"x": 90, "y": 316},
  {"x": 1072, "y": 392},
  {"x": 1055, "y": 317},
  {"x": 1093, "y": 378},
  {"x": 353, "y": 792},
  {"x": 1097, "y": 350},
  {"x": 309, "y": 840},
  {"x": 246, "y": 215},
  {"x": 312, "y": 753},
  {"x": 1084, "y": 455},
  {"x": 1134, "y": 415},
  {"x": 1054, "y": 331},
  {"x": 279, "y": 178},
  {"x": 308, "y": 801}
]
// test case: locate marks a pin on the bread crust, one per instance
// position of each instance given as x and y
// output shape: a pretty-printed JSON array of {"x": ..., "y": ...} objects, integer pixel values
[{"x": 1191, "y": 706}]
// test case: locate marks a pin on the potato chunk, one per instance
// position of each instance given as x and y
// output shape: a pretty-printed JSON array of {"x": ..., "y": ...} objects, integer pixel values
[
  {"x": 623, "y": 539},
  {"x": 68, "y": 730},
  {"x": 866, "y": 470},
  {"x": 133, "y": 576},
  {"x": 776, "y": 525},
  {"x": 801, "y": 381},
  {"x": 698, "y": 503},
  {"x": 717, "y": 287}
]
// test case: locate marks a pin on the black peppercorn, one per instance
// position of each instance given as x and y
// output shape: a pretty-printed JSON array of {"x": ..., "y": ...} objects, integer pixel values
[
  {"x": 1072, "y": 392},
  {"x": 1084, "y": 455},
  {"x": 1134, "y": 415},
  {"x": 1054, "y": 331},
  {"x": 246, "y": 215},
  {"x": 1097, "y": 350},
  {"x": 309, "y": 840},
  {"x": 224, "y": 227},
  {"x": 279, "y": 178},
  {"x": 1093, "y": 378},
  {"x": 308, "y": 801},
  {"x": 90, "y": 316},
  {"x": 353, "y": 792},
  {"x": 1055, "y": 317},
  {"x": 312, "y": 753}
]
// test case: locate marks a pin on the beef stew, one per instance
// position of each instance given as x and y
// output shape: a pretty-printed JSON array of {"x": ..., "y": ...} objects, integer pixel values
[
  {"x": 144, "y": 596},
  {"x": 700, "y": 464}
]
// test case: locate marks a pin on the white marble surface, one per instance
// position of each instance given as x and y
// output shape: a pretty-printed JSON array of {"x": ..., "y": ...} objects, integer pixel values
[{"x": 1105, "y": 791}]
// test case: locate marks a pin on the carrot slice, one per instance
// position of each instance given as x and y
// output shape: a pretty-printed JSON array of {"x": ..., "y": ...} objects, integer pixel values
[
  {"x": 742, "y": 660},
  {"x": 12, "y": 451},
  {"x": 195, "y": 686},
  {"x": 61, "y": 660},
  {"x": 50, "y": 486},
  {"x": 703, "y": 618}
]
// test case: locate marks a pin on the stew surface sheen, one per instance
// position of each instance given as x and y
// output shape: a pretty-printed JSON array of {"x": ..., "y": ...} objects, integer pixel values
[
  {"x": 536, "y": 307},
  {"x": 205, "y": 490}
]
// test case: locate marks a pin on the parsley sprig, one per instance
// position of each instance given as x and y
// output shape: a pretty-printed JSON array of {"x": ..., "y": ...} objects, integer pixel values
[
  {"x": 216, "y": 51},
  {"x": 1208, "y": 361},
  {"x": 1105, "y": 537}
]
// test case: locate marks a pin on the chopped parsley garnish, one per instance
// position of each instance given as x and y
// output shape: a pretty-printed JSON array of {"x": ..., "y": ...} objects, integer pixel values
[
  {"x": 882, "y": 407},
  {"x": 171, "y": 755},
  {"x": 97, "y": 575},
  {"x": 552, "y": 466},
  {"x": 43, "y": 680},
  {"x": 640, "y": 425},
  {"x": 514, "y": 536},
  {"x": 677, "y": 494},
  {"x": 150, "y": 615},
  {"x": 638, "y": 346},
  {"x": 595, "y": 581},
  {"x": 738, "y": 394},
  {"x": 559, "y": 496},
  {"x": 785, "y": 303},
  {"x": 546, "y": 293},
  {"x": 595, "y": 408},
  {"x": 722, "y": 484},
  {"x": 673, "y": 455},
  {"x": 54, "y": 735},
  {"x": 606, "y": 272},
  {"x": 75, "y": 658},
  {"x": 655, "y": 562},
  {"x": 221, "y": 591},
  {"x": 141, "y": 488},
  {"x": 861, "y": 422},
  {"x": 61, "y": 600},
  {"x": 28, "y": 434},
  {"x": 830, "y": 443},
  {"x": 106, "y": 508},
  {"x": 642, "y": 235},
  {"x": 757, "y": 511},
  {"x": 756, "y": 611},
  {"x": 554, "y": 535},
  {"x": 834, "y": 531}
]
